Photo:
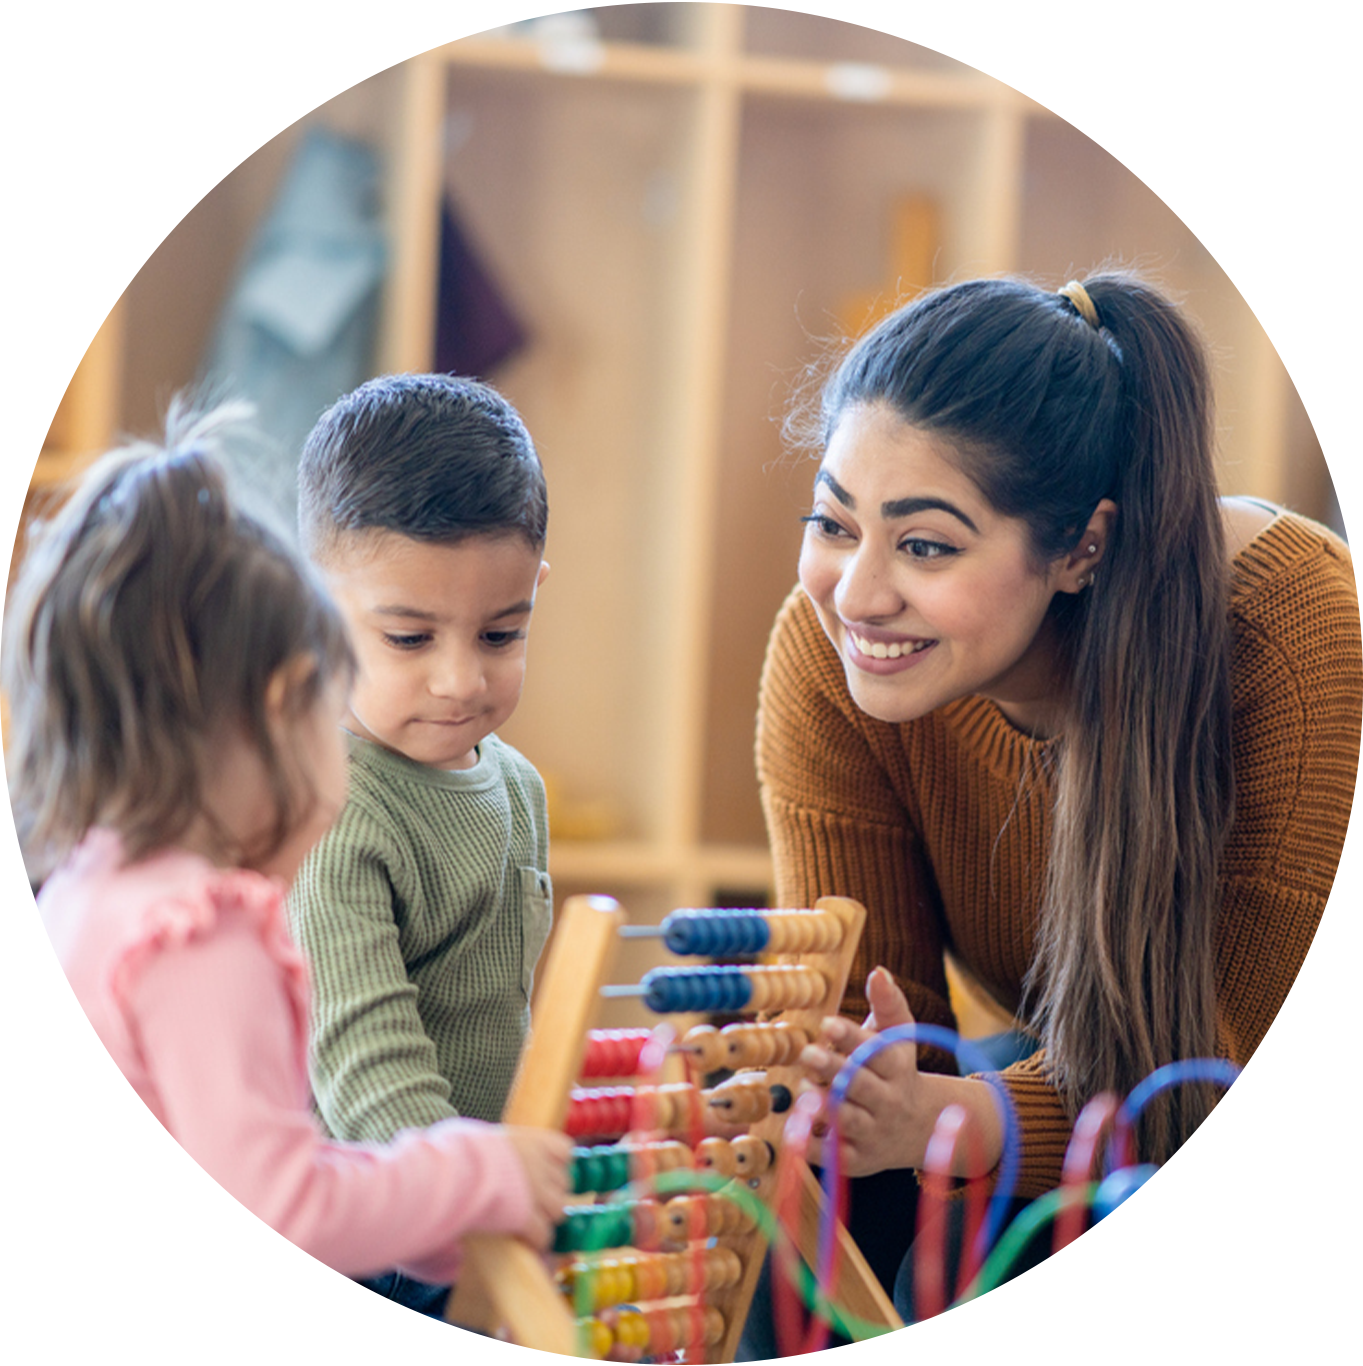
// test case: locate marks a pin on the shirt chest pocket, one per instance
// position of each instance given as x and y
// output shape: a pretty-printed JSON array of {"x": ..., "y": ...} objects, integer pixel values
[{"x": 537, "y": 911}]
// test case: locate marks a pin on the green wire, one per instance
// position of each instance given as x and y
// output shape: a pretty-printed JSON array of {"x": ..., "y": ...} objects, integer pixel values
[{"x": 1034, "y": 1217}]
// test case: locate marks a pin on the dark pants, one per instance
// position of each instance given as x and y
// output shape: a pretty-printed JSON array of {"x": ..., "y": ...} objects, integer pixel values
[
  {"x": 425, "y": 1299},
  {"x": 1328, "y": 1107},
  {"x": 290, "y": 1335}
]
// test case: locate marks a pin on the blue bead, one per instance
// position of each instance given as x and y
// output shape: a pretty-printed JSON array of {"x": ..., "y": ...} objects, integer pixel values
[
  {"x": 691, "y": 990},
  {"x": 1210, "y": 1337},
  {"x": 1274, "y": 1340},
  {"x": 715, "y": 933},
  {"x": 1136, "y": 1204}
]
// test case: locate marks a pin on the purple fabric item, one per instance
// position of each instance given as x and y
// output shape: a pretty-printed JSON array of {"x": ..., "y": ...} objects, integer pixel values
[{"x": 476, "y": 327}]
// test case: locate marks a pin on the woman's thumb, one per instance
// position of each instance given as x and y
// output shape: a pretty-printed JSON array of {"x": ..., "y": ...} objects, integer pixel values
[{"x": 889, "y": 1005}]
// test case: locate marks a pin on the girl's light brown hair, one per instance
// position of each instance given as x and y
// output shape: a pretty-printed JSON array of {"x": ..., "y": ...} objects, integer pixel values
[{"x": 143, "y": 629}]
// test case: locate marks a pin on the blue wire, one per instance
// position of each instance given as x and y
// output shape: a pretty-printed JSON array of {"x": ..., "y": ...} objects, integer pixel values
[
  {"x": 1257, "y": 1092},
  {"x": 975, "y": 1060}
]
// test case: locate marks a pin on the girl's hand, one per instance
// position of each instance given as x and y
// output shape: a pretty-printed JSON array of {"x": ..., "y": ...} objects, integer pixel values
[
  {"x": 888, "y": 1113},
  {"x": 544, "y": 1156}
]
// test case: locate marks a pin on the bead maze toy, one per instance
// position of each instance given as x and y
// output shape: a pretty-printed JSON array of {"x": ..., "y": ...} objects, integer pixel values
[
  {"x": 635, "y": 1274},
  {"x": 659, "y": 1255}
]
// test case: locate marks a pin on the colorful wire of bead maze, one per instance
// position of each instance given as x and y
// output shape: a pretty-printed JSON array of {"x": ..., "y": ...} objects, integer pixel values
[
  {"x": 1183, "y": 1280},
  {"x": 669, "y": 1277}
]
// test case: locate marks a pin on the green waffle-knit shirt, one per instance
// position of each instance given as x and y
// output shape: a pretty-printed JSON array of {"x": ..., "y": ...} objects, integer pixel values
[{"x": 422, "y": 913}]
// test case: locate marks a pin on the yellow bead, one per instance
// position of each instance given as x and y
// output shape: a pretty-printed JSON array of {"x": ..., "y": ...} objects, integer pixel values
[
  {"x": 600, "y": 1336},
  {"x": 1303, "y": 1205},
  {"x": 1300, "y": 1309},
  {"x": 1057, "y": 1321},
  {"x": 631, "y": 1330},
  {"x": 1195, "y": 1271}
]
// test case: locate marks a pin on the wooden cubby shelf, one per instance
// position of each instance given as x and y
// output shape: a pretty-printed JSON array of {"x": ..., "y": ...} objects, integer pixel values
[{"x": 682, "y": 202}]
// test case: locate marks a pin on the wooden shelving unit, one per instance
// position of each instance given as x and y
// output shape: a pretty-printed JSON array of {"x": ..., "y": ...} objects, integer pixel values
[{"x": 681, "y": 206}]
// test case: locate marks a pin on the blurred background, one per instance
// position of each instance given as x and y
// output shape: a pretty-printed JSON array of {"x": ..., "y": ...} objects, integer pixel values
[{"x": 644, "y": 223}]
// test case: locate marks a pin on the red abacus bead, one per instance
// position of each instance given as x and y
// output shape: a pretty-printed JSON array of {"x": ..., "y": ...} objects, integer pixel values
[
  {"x": 1283, "y": 1269},
  {"x": 647, "y": 1216}
]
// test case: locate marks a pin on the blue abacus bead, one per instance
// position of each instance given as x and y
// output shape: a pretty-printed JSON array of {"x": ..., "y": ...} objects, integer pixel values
[
  {"x": 684, "y": 990},
  {"x": 1279, "y": 1340},
  {"x": 1209, "y": 1336},
  {"x": 715, "y": 933},
  {"x": 1138, "y": 1205}
]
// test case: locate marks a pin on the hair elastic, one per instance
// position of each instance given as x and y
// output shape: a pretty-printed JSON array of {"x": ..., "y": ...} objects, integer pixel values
[{"x": 1083, "y": 305}]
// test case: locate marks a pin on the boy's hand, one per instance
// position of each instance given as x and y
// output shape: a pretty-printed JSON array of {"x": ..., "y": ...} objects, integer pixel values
[{"x": 544, "y": 1156}]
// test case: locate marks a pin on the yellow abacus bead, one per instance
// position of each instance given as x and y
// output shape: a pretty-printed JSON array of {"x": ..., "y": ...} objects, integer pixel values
[
  {"x": 1303, "y": 1205},
  {"x": 599, "y": 1338},
  {"x": 631, "y": 1330},
  {"x": 1195, "y": 1271},
  {"x": 1057, "y": 1321},
  {"x": 1300, "y": 1309}
]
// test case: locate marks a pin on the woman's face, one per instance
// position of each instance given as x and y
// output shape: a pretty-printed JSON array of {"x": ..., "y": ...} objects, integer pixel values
[{"x": 926, "y": 592}]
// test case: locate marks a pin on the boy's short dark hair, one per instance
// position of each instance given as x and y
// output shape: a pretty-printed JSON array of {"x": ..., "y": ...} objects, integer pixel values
[{"x": 434, "y": 457}]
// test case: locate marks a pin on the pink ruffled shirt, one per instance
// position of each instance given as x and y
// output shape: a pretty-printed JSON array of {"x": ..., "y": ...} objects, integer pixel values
[{"x": 192, "y": 983}]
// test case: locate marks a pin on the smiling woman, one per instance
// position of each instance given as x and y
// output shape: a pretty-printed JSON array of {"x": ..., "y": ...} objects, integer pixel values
[{"x": 1044, "y": 700}]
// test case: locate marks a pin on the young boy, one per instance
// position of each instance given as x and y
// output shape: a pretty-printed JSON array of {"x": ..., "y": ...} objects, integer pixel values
[{"x": 424, "y": 910}]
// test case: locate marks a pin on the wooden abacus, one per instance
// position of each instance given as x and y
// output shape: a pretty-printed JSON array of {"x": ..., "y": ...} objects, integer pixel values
[{"x": 691, "y": 1263}]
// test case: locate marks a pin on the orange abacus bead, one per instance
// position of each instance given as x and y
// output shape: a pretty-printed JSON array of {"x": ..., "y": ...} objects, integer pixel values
[
  {"x": 717, "y": 1155},
  {"x": 684, "y": 1219},
  {"x": 723, "y": 1268},
  {"x": 803, "y": 932},
  {"x": 752, "y": 1156},
  {"x": 741, "y": 1102},
  {"x": 650, "y": 1276},
  {"x": 706, "y": 1047},
  {"x": 745, "y": 1045},
  {"x": 794, "y": 1041}
]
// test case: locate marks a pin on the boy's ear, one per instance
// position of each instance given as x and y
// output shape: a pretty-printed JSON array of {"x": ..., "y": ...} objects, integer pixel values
[{"x": 543, "y": 573}]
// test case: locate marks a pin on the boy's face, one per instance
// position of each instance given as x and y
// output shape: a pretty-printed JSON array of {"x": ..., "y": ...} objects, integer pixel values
[{"x": 440, "y": 634}]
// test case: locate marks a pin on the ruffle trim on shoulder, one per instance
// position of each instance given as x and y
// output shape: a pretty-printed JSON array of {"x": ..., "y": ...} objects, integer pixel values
[{"x": 179, "y": 914}]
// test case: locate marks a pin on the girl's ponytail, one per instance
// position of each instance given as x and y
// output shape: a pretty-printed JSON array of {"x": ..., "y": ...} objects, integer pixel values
[{"x": 145, "y": 623}]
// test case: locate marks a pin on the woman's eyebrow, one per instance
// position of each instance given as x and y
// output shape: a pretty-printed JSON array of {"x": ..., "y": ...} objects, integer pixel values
[{"x": 898, "y": 507}]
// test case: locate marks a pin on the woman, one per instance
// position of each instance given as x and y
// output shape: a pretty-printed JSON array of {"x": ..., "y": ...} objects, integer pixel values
[{"x": 1044, "y": 701}]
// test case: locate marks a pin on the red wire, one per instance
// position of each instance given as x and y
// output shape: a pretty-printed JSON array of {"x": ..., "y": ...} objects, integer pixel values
[
  {"x": 1068, "y": 1246},
  {"x": 791, "y": 1336},
  {"x": 929, "y": 1245},
  {"x": 1089, "y": 1128}
]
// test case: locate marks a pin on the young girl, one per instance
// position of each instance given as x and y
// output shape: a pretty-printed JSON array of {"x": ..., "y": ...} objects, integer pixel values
[
  {"x": 177, "y": 681},
  {"x": 1047, "y": 702}
]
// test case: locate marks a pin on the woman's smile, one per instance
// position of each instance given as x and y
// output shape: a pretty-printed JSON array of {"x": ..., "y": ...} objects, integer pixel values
[{"x": 927, "y": 593}]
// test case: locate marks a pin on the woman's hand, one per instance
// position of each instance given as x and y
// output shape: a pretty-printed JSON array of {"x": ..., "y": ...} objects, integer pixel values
[{"x": 888, "y": 1113}]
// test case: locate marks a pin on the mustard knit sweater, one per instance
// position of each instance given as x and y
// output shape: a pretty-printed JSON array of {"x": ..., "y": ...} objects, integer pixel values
[{"x": 940, "y": 826}]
